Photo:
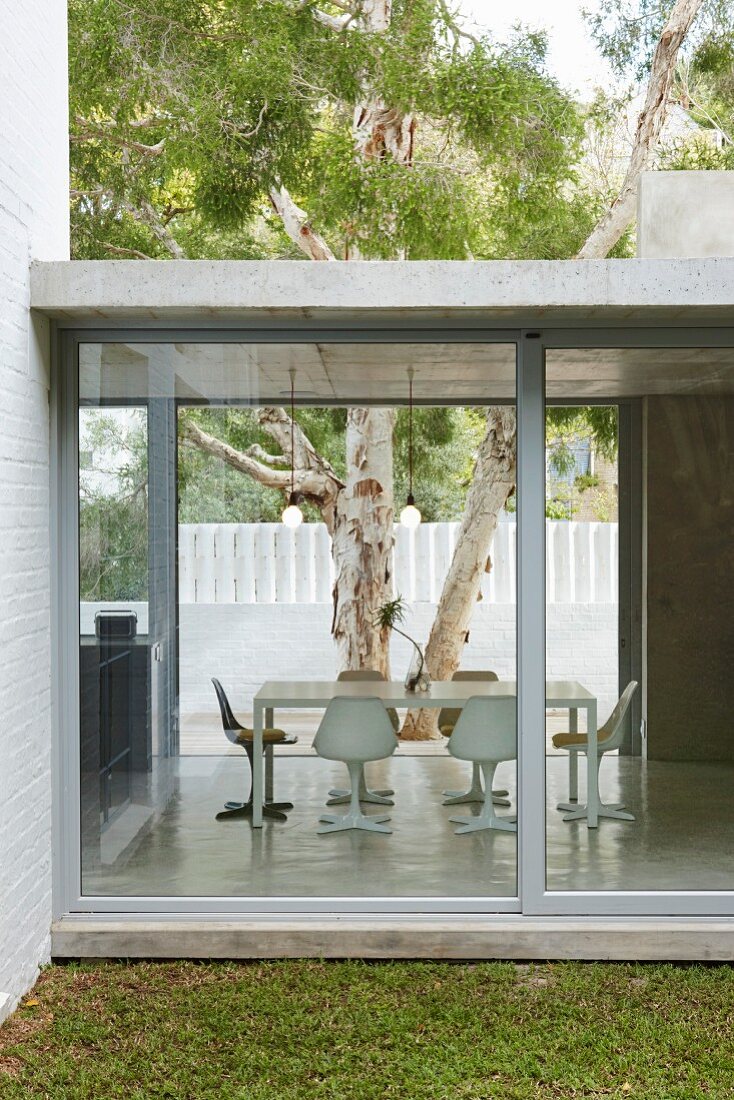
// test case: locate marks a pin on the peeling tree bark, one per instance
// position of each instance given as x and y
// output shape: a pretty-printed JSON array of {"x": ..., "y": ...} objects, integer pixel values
[
  {"x": 492, "y": 484},
  {"x": 649, "y": 125},
  {"x": 362, "y": 541},
  {"x": 298, "y": 227}
]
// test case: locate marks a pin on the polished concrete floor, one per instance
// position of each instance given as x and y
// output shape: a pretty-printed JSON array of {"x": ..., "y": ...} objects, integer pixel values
[{"x": 168, "y": 843}]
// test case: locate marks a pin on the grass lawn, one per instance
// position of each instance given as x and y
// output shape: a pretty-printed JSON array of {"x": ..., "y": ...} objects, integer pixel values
[{"x": 302, "y": 1029}]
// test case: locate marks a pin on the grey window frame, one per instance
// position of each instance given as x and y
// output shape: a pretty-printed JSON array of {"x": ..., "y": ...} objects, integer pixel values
[{"x": 533, "y": 899}]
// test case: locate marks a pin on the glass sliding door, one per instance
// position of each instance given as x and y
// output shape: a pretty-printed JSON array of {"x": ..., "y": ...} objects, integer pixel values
[
  {"x": 654, "y": 654},
  {"x": 189, "y": 454}
]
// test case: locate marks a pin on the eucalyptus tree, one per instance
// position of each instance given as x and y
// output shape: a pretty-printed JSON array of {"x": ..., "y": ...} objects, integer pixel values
[
  {"x": 352, "y": 130},
  {"x": 647, "y": 39}
]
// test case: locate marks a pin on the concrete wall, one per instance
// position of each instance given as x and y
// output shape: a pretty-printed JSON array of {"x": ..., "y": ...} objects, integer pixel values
[
  {"x": 690, "y": 577},
  {"x": 33, "y": 225},
  {"x": 685, "y": 215}
]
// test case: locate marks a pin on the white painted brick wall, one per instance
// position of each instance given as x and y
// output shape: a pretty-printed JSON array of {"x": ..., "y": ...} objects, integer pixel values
[
  {"x": 245, "y": 644},
  {"x": 33, "y": 225}
]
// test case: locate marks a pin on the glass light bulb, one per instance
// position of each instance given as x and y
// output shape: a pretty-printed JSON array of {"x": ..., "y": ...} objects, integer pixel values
[
  {"x": 292, "y": 516},
  {"x": 410, "y": 517}
]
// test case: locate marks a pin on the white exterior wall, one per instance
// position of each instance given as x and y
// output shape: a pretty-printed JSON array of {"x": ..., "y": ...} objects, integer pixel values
[{"x": 33, "y": 226}]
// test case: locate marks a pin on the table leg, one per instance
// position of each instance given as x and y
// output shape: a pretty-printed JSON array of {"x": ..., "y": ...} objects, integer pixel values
[
  {"x": 592, "y": 768},
  {"x": 591, "y": 810},
  {"x": 269, "y": 724},
  {"x": 257, "y": 766},
  {"x": 573, "y": 758},
  {"x": 573, "y": 767}
]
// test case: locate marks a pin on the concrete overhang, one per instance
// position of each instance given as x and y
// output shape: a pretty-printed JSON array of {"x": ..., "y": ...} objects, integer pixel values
[{"x": 496, "y": 294}]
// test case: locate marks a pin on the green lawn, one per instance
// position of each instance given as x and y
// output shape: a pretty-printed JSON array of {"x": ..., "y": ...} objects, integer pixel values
[{"x": 287, "y": 1030}]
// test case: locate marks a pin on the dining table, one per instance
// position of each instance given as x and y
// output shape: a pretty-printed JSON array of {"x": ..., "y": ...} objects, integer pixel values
[{"x": 317, "y": 694}]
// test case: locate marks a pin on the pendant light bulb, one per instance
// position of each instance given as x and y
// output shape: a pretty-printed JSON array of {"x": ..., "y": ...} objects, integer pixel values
[
  {"x": 292, "y": 514},
  {"x": 410, "y": 517}
]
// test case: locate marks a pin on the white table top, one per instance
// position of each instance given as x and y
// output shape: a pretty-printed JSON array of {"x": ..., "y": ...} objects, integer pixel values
[{"x": 446, "y": 693}]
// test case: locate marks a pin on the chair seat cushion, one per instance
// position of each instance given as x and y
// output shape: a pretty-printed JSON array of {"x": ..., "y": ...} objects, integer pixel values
[
  {"x": 566, "y": 740},
  {"x": 270, "y": 736}
]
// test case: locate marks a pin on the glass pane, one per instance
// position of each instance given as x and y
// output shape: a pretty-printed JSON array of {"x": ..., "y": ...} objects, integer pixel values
[
  {"x": 184, "y": 528},
  {"x": 640, "y": 604}
]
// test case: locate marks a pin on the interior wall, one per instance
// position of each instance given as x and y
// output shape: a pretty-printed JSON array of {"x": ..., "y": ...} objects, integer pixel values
[{"x": 690, "y": 577}]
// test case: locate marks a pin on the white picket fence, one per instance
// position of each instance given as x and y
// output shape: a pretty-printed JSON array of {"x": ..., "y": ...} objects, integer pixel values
[{"x": 270, "y": 563}]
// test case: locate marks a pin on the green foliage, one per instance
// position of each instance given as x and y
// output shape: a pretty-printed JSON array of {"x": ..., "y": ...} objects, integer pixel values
[
  {"x": 559, "y": 508},
  {"x": 566, "y": 428},
  {"x": 184, "y": 114},
  {"x": 567, "y": 424},
  {"x": 391, "y": 613},
  {"x": 697, "y": 155},
  {"x": 113, "y": 506},
  {"x": 584, "y": 482}
]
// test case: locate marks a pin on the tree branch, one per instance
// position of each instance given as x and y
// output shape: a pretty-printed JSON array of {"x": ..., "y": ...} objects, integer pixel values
[
  {"x": 94, "y": 131},
  {"x": 279, "y": 426},
  {"x": 172, "y": 211},
  {"x": 147, "y": 215},
  {"x": 256, "y": 451},
  {"x": 297, "y": 226},
  {"x": 457, "y": 31},
  {"x": 233, "y": 128},
  {"x": 316, "y": 482},
  {"x": 649, "y": 125},
  {"x": 117, "y": 251},
  {"x": 239, "y": 460},
  {"x": 335, "y": 22}
]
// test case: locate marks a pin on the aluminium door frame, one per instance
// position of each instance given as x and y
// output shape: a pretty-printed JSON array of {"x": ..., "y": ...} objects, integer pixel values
[
  {"x": 67, "y": 838},
  {"x": 533, "y": 898}
]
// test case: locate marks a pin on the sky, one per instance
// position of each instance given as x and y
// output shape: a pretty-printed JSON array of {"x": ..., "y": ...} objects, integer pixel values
[{"x": 572, "y": 56}]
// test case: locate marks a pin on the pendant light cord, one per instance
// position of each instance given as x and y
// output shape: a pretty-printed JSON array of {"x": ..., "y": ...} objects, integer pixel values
[
  {"x": 410, "y": 433},
  {"x": 293, "y": 435}
]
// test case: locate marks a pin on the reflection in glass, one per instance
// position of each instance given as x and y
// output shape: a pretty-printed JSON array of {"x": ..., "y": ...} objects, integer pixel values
[
  {"x": 656, "y": 647},
  {"x": 188, "y": 573}
]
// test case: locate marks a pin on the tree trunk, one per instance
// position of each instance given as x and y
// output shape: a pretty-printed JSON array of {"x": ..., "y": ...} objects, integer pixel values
[
  {"x": 362, "y": 541},
  {"x": 492, "y": 484},
  {"x": 649, "y": 125}
]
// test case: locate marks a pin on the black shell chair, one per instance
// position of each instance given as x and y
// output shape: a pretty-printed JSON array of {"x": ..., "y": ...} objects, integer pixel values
[{"x": 244, "y": 737}]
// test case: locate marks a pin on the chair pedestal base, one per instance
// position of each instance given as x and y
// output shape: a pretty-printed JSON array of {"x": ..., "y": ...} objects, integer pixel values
[
  {"x": 475, "y": 794},
  {"x": 484, "y": 821},
  {"x": 245, "y": 810},
  {"x": 270, "y": 805},
  {"x": 340, "y": 796},
  {"x": 467, "y": 798},
  {"x": 613, "y": 810},
  {"x": 335, "y": 823}
]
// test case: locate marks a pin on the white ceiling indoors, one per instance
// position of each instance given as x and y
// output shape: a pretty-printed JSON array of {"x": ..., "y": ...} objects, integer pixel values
[{"x": 371, "y": 373}]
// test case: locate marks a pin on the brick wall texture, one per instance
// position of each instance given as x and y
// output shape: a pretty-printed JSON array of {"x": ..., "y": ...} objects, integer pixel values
[
  {"x": 245, "y": 644},
  {"x": 33, "y": 225}
]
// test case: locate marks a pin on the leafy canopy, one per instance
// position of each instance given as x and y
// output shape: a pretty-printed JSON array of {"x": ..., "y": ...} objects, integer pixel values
[{"x": 185, "y": 113}]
